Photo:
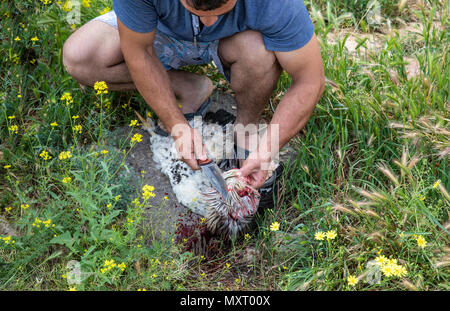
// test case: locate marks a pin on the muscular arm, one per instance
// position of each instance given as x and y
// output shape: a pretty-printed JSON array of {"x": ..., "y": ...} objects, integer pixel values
[
  {"x": 308, "y": 80},
  {"x": 149, "y": 75},
  {"x": 306, "y": 69}
]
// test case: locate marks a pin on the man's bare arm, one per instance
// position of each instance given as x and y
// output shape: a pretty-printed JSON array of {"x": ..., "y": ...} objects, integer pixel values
[
  {"x": 149, "y": 75},
  {"x": 308, "y": 81}
]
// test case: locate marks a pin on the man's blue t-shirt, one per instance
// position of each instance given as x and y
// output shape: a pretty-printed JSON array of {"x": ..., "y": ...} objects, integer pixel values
[{"x": 284, "y": 24}]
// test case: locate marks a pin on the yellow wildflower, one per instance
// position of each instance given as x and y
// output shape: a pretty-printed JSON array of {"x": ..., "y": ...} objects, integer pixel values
[
  {"x": 381, "y": 260},
  {"x": 24, "y": 206},
  {"x": 34, "y": 39},
  {"x": 436, "y": 184},
  {"x": 65, "y": 155},
  {"x": 8, "y": 240},
  {"x": 136, "y": 138},
  {"x": 86, "y": 3},
  {"x": 67, "y": 97},
  {"x": 133, "y": 123},
  {"x": 67, "y": 7},
  {"x": 331, "y": 235},
  {"x": 7, "y": 166},
  {"x": 77, "y": 129},
  {"x": 44, "y": 155},
  {"x": 17, "y": 38},
  {"x": 101, "y": 87},
  {"x": 67, "y": 180},
  {"x": 320, "y": 236},
  {"x": 421, "y": 242},
  {"x": 275, "y": 226},
  {"x": 352, "y": 280},
  {"x": 104, "y": 151},
  {"x": 105, "y": 10},
  {"x": 122, "y": 266},
  {"x": 14, "y": 129},
  {"x": 54, "y": 124}
]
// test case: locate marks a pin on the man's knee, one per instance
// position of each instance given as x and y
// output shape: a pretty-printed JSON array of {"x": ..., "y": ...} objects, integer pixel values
[
  {"x": 71, "y": 56},
  {"x": 248, "y": 49}
]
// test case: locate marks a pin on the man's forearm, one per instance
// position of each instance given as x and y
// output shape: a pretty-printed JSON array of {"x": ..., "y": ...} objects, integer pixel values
[
  {"x": 291, "y": 116},
  {"x": 152, "y": 81}
]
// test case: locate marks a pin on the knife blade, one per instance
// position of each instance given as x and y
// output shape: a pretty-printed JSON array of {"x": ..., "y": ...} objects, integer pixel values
[{"x": 214, "y": 174}]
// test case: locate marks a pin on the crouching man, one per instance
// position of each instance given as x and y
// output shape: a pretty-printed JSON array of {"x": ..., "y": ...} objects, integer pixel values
[{"x": 142, "y": 45}]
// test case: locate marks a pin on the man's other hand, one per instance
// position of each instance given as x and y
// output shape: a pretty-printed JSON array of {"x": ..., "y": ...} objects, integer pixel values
[{"x": 189, "y": 145}]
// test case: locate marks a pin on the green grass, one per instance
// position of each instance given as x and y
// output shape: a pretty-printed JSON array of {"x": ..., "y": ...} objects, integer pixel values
[{"x": 372, "y": 165}]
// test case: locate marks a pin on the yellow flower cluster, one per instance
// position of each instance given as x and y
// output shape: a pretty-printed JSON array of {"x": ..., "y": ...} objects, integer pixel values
[
  {"x": 67, "y": 180},
  {"x": 133, "y": 123},
  {"x": 46, "y": 1},
  {"x": 34, "y": 39},
  {"x": 67, "y": 7},
  {"x": 105, "y": 10},
  {"x": 68, "y": 98},
  {"x": 54, "y": 124},
  {"x": 101, "y": 87},
  {"x": 8, "y": 240},
  {"x": 104, "y": 151},
  {"x": 65, "y": 155},
  {"x": 14, "y": 129},
  {"x": 46, "y": 223},
  {"x": 44, "y": 155},
  {"x": 77, "y": 129},
  {"x": 110, "y": 264},
  {"x": 24, "y": 206},
  {"x": 329, "y": 235},
  {"x": 136, "y": 138},
  {"x": 147, "y": 192},
  {"x": 7, "y": 166},
  {"x": 86, "y": 3},
  {"x": 275, "y": 226},
  {"x": 390, "y": 267}
]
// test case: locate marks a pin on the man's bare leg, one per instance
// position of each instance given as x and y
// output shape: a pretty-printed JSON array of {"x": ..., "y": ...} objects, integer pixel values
[
  {"x": 93, "y": 54},
  {"x": 254, "y": 74}
]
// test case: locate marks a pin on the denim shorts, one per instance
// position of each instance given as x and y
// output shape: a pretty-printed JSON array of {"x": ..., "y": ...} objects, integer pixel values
[{"x": 174, "y": 53}]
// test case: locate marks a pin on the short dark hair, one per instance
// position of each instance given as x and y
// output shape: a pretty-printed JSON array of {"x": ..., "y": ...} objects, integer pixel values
[{"x": 206, "y": 5}]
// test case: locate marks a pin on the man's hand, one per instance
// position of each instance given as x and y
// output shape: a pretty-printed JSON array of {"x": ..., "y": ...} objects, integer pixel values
[
  {"x": 189, "y": 145},
  {"x": 255, "y": 169}
]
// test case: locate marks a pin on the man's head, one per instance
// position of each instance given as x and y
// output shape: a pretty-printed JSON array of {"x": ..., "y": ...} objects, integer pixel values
[
  {"x": 209, "y": 10},
  {"x": 206, "y": 5}
]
